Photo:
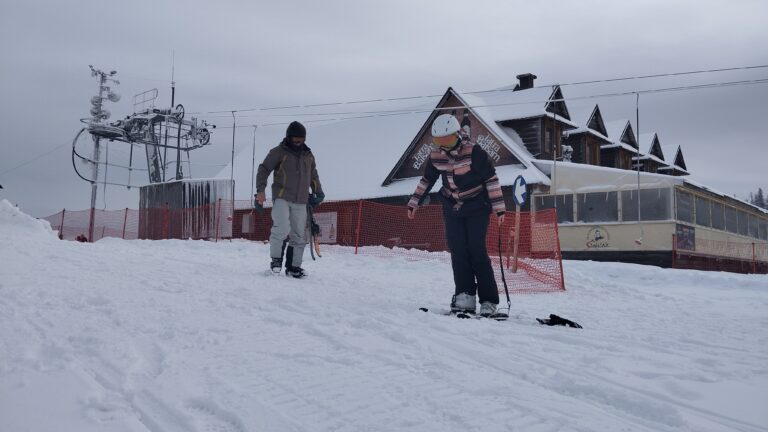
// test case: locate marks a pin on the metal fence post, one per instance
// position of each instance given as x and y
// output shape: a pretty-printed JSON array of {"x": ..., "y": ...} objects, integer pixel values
[
  {"x": 359, "y": 224},
  {"x": 125, "y": 219},
  {"x": 61, "y": 227},
  {"x": 217, "y": 217}
]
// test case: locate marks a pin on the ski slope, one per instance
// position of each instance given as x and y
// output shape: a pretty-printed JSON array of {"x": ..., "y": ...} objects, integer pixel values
[{"x": 171, "y": 336}]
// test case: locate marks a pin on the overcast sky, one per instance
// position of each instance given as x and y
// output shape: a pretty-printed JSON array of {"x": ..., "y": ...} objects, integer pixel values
[{"x": 245, "y": 54}]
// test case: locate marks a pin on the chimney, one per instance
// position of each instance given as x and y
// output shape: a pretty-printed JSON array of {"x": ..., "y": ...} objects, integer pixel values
[{"x": 526, "y": 81}]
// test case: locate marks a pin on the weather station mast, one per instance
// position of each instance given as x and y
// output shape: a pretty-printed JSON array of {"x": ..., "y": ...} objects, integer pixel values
[{"x": 99, "y": 115}]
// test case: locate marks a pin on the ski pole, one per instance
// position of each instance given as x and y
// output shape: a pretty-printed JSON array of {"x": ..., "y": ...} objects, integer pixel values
[{"x": 501, "y": 267}]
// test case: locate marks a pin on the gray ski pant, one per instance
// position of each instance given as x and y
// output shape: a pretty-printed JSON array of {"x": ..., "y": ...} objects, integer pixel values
[{"x": 288, "y": 218}]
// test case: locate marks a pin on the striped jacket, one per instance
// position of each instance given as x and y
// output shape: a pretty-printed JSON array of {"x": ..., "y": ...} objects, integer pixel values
[{"x": 467, "y": 172}]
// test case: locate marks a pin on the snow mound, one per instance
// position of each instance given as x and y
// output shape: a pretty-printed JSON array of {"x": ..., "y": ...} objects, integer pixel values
[{"x": 14, "y": 221}]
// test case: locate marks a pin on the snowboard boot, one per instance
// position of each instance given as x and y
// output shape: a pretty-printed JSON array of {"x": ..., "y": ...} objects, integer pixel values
[
  {"x": 487, "y": 309},
  {"x": 276, "y": 265},
  {"x": 463, "y": 302},
  {"x": 296, "y": 272}
]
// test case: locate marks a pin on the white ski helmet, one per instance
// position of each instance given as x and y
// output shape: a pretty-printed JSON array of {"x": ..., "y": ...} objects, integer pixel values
[{"x": 445, "y": 125}]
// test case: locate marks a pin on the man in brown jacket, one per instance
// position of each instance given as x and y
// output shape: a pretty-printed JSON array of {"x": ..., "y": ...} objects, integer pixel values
[{"x": 295, "y": 173}]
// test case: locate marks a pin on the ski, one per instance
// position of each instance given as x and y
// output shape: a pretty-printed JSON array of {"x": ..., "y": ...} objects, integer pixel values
[
  {"x": 553, "y": 319},
  {"x": 468, "y": 315}
]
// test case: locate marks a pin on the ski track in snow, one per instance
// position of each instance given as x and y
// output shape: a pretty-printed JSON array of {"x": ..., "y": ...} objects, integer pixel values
[{"x": 172, "y": 336}]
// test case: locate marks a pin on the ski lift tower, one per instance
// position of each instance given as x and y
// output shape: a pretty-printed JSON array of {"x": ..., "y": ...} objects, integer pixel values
[{"x": 158, "y": 130}]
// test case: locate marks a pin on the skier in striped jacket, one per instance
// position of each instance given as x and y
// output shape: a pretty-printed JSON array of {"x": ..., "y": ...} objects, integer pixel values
[{"x": 470, "y": 192}]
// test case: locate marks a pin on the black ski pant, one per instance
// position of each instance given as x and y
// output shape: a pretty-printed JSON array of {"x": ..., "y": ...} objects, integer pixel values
[{"x": 472, "y": 270}]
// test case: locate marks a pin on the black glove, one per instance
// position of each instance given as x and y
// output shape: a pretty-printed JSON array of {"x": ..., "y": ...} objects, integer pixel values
[
  {"x": 258, "y": 207},
  {"x": 316, "y": 198},
  {"x": 554, "y": 320}
]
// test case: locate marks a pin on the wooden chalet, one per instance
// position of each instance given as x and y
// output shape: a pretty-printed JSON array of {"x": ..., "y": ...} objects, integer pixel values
[
  {"x": 587, "y": 140},
  {"x": 622, "y": 148},
  {"x": 652, "y": 161},
  {"x": 678, "y": 167}
]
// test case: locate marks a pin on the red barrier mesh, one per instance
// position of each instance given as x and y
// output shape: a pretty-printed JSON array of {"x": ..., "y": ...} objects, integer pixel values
[
  {"x": 363, "y": 227},
  {"x": 386, "y": 230},
  {"x": 714, "y": 255}
]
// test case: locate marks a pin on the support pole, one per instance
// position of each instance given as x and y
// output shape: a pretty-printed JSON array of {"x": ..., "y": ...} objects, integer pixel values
[
  {"x": 517, "y": 238},
  {"x": 61, "y": 226},
  {"x": 359, "y": 224},
  {"x": 125, "y": 220}
]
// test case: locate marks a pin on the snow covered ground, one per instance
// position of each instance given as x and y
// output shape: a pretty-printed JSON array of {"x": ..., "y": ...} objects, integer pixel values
[{"x": 169, "y": 336}]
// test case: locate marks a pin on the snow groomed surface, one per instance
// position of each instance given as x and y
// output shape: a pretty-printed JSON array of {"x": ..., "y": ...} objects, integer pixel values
[{"x": 168, "y": 336}]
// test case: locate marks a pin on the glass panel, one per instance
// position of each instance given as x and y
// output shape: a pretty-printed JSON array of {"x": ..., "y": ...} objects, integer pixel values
[
  {"x": 718, "y": 217},
  {"x": 730, "y": 220},
  {"x": 753, "y": 226},
  {"x": 564, "y": 206},
  {"x": 763, "y": 230},
  {"x": 702, "y": 212},
  {"x": 743, "y": 223},
  {"x": 654, "y": 203},
  {"x": 684, "y": 206},
  {"x": 598, "y": 207}
]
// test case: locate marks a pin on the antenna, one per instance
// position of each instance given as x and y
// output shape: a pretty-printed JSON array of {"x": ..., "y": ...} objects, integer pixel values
[{"x": 638, "y": 241}]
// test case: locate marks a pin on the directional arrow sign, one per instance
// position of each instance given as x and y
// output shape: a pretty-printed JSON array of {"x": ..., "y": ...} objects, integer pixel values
[{"x": 519, "y": 191}]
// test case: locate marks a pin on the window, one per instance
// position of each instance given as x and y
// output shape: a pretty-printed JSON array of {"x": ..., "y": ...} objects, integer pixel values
[
  {"x": 598, "y": 207},
  {"x": 564, "y": 206},
  {"x": 730, "y": 220},
  {"x": 754, "y": 225},
  {"x": 718, "y": 217},
  {"x": 763, "y": 230},
  {"x": 549, "y": 140},
  {"x": 654, "y": 204},
  {"x": 703, "y": 216},
  {"x": 684, "y": 206},
  {"x": 743, "y": 223}
]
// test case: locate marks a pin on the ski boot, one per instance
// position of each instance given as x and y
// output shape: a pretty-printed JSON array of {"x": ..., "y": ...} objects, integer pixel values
[
  {"x": 296, "y": 272},
  {"x": 463, "y": 303},
  {"x": 487, "y": 309},
  {"x": 276, "y": 265}
]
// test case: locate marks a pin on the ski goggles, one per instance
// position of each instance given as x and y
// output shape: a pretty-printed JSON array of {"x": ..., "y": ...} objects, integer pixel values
[{"x": 446, "y": 141}]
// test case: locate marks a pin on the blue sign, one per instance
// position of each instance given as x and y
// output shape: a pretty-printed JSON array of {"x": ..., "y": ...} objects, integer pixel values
[{"x": 519, "y": 191}]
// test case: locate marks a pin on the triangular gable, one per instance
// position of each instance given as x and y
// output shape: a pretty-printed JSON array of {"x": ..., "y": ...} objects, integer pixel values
[
  {"x": 411, "y": 163},
  {"x": 656, "y": 147},
  {"x": 556, "y": 104},
  {"x": 678, "y": 168},
  {"x": 596, "y": 123},
  {"x": 679, "y": 160},
  {"x": 628, "y": 136}
]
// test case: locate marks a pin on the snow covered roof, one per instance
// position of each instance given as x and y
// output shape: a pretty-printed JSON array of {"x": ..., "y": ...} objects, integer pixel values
[
  {"x": 621, "y": 135},
  {"x": 590, "y": 121},
  {"x": 581, "y": 178},
  {"x": 505, "y": 104},
  {"x": 654, "y": 150},
  {"x": 678, "y": 165}
]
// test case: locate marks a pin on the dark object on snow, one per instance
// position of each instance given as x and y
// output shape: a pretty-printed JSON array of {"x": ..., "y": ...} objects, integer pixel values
[
  {"x": 554, "y": 320},
  {"x": 316, "y": 198}
]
